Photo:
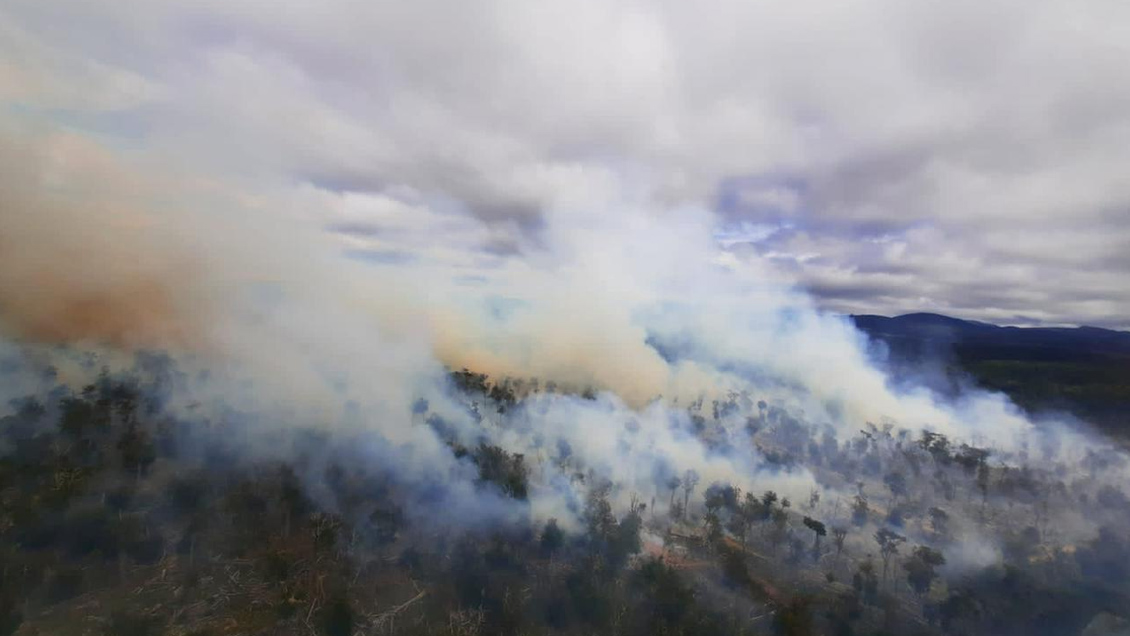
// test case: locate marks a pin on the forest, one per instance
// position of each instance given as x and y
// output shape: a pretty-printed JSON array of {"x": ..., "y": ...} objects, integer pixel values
[{"x": 124, "y": 515}]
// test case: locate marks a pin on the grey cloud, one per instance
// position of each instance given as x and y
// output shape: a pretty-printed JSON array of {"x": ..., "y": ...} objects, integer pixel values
[
  {"x": 988, "y": 139},
  {"x": 382, "y": 257}
]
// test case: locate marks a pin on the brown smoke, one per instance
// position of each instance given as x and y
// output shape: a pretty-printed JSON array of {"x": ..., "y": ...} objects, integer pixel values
[
  {"x": 82, "y": 256},
  {"x": 96, "y": 250}
]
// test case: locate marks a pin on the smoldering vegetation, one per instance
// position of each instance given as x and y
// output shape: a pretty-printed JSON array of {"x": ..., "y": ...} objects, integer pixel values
[{"x": 139, "y": 498}]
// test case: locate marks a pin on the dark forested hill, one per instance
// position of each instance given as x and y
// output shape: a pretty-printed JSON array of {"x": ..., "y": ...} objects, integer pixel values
[{"x": 1085, "y": 370}]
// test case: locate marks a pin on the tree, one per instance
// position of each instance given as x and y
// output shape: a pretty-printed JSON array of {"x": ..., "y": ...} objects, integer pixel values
[
  {"x": 598, "y": 514},
  {"x": 505, "y": 470},
  {"x": 137, "y": 452},
  {"x": 780, "y": 526},
  {"x": 734, "y": 570},
  {"x": 626, "y": 539},
  {"x": 713, "y": 528},
  {"x": 614, "y": 540},
  {"x": 937, "y": 445},
  {"x": 938, "y": 520},
  {"x": 295, "y": 505},
  {"x": 796, "y": 548},
  {"x": 949, "y": 491},
  {"x": 713, "y": 499},
  {"x": 839, "y": 533},
  {"x": 895, "y": 516},
  {"x": 386, "y": 521},
  {"x": 920, "y": 571},
  {"x": 720, "y": 495},
  {"x": 971, "y": 458},
  {"x": 673, "y": 483},
  {"x": 76, "y": 417},
  {"x": 817, "y": 529},
  {"x": 959, "y": 609},
  {"x": 889, "y": 542},
  {"x": 768, "y": 498},
  {"x": 795, "y": 618},
  {"x": 983, "y": 483},
  {"x": 28, "y": 408},
  {"x": 747, "y": 513},
  {"x": 668, "y": 600},
  {"x": 1106, "y": 557},
  {"x": 865, "y": 582},
  {"x": 859, "y": 510},
  {"x": 690, "y": 482},
  {"x": 469, "y": 382},
  {"x": 896, "y": 483},
  {"x": 552, "y": 538}
]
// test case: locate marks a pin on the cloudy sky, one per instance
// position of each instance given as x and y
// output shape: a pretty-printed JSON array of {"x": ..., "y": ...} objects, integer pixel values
[{"x": 970, "y": 157}]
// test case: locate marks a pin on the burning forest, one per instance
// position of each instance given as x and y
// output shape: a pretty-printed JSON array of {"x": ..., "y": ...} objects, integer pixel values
[
  {"x": 536, "y": 509},
  {"x": 369, "y": 318}
]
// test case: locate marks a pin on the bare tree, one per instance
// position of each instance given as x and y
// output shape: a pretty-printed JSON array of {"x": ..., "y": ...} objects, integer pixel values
[
  {"x": 673, "y": 483},
  {"x": 839, "y": 533},
  {"x": 983, "y": 483},
  {"x": 690, "y": 481},
  {"x": 780, "y": 529},
  {"x": 938, "y": 521}
]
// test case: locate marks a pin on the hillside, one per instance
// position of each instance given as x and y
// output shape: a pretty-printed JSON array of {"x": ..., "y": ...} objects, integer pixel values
[
  {"x": 1084, "y": 370},
  {"x": 122, "y": 516}
]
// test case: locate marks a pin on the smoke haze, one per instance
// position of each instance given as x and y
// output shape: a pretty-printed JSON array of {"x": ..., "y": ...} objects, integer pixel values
[
  {"x": 318, "y": 245},
  {"x": 617, "y": 294}
]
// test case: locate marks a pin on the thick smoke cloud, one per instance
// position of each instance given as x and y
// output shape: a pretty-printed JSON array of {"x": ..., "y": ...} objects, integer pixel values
[
  {"x": 78, "y": 261},
  {"x": 319, "y": 217},
  {"x": 623, "y": 296}
]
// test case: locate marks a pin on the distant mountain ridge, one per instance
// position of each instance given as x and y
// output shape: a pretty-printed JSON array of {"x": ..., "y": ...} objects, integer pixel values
[
  {"x": 1084, "y": 370},
  {"x": 1058, "y": 341}
]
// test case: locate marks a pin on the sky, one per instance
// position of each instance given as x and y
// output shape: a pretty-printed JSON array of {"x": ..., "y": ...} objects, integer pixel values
[{"x": 885, "y": 156}]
